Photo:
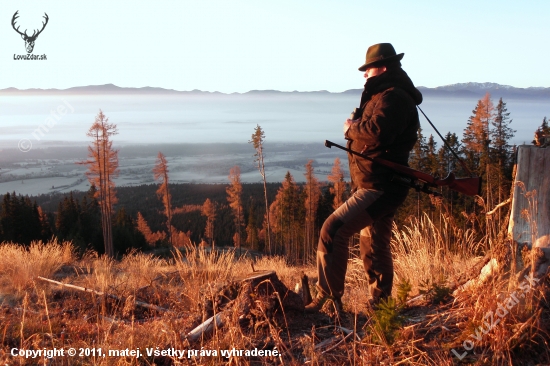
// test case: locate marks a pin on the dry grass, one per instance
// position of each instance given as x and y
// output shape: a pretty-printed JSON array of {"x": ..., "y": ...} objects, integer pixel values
[
  {"x": 19, "y": 265},
  {"x": 423, "y": 252},
  {"x": 41, "y": 315}
]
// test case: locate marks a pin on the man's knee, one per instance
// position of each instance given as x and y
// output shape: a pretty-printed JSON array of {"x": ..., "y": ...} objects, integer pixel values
[
  {"x": 365, "y": 243},
  {"x": 327, "y": 234}
]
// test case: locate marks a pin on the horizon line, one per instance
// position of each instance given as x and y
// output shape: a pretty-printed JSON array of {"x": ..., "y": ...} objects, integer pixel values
[{"x": 487, "y": 85}]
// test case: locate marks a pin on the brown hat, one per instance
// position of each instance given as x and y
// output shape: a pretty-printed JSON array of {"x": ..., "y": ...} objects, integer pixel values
[{"x": 380, "y": 54}]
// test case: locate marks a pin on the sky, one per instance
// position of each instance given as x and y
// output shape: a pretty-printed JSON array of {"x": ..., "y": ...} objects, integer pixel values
[{"x": 305, "y": 45}]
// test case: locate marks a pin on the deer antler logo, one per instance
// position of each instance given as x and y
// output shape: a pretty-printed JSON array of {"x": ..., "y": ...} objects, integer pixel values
[{"x": 29, "y": 40}]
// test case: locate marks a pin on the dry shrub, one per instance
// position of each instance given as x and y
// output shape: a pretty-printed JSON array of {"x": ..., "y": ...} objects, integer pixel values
[{"x": 19, "y": 265}]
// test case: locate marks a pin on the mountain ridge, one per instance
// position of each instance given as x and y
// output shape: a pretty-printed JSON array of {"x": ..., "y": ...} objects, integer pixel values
[{"x": 458, "y": 89}]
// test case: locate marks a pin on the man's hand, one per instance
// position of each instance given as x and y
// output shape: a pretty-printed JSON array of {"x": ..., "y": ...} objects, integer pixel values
[{"x": 348, "y": 124}]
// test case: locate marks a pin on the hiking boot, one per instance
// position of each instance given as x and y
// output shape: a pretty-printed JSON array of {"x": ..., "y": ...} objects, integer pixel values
[{"x": 317, "y": 304}]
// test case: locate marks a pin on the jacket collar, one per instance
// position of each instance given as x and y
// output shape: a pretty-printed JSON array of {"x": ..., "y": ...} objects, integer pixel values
[{"x": 393, "y": 77}]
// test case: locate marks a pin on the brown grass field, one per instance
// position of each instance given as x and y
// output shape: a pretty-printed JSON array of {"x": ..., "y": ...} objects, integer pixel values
[{"x": 501, "y": 318}]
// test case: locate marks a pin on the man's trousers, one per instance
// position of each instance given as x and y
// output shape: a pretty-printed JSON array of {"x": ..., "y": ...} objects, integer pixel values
[{"x": 371, "y": 213}]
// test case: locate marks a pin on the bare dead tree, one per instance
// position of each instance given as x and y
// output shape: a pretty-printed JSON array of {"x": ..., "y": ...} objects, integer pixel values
[
  {"x": 258, "y": 143},
  {"x": 102, "y": 169}
]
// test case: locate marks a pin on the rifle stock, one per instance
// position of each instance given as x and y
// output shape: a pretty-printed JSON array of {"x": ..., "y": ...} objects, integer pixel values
[{"x": 467, "y": 186}]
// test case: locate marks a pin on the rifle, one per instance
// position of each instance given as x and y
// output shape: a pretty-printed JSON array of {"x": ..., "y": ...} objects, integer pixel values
[{"x": 412, "y": 177}]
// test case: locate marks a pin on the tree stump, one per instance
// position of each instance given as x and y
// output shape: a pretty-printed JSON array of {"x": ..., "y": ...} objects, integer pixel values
[
  {"x": 249, "y": 300},
  {"x": 261, "y": 286}
]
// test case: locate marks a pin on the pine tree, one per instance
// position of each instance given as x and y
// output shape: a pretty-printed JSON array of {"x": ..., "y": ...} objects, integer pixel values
[
  {"x": 324, "y": 209},
  {"x": 338, "y": 189},
  {"x": 476, "y": 145},
  {"x": 7, "y": 218},
  {"x": 476, "y": 135},
  {"x": 287, "y": 213},
  {"x": 68, "y": 214},
  {"x": 312, "y": 197},
  {"x": 447, "y": 161},
  {"x": 209, "y": 210},
  {"x": 501, "y": 152},
  {"x": 234, "y": 192},
  {"x": 160, "y": 172},
  {"x": 45, "y": 229},
  {"x": 432, "y": 167},
  {"x": 542, "y": 134},
  {"x": 20, "y": 220},
  {"x": 544, "y": 126},
  {"x": 125, "y": 233},
  {"x": 417, "y": 159},
  {"x": 252, "y": 235},
  {"x": 90, "y": 221},
  {"x": 258, "y": 143},
  {"x": 432, "y": 163},
  {"x": 449, "y": 164}
]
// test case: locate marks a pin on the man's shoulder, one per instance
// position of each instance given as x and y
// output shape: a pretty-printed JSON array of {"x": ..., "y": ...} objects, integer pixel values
[
  {"x": 395, "y": 90},
  {"x": 395, "y": 93}
]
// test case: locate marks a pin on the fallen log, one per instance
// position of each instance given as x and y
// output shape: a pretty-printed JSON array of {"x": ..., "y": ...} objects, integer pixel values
[
  {"x": 328, "y": 342},
  {"x": 337, "y": 340},
  {"x": 205, "y": 328},
  {"x": 164, "y": 275},
  {"x": 488, "y": 270},
  {"x": 99, "y": 293}
]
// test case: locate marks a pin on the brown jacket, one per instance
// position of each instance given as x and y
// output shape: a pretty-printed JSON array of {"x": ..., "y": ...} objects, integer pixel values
[{"x": 388, "y": 128}]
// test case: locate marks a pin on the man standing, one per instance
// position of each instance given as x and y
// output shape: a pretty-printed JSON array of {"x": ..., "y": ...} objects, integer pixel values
[{"x": 386, "y": 127}]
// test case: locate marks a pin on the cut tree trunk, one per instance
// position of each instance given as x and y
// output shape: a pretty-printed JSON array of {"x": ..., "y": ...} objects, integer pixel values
[
  {"x": 529, "y": 225},
  {"x": 530, "y": 215}
]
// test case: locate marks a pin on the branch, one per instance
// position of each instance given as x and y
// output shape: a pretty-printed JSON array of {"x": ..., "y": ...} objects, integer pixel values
[
  {"x": 499, "y": 206},
  {"x": 99, "y": 293}
]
